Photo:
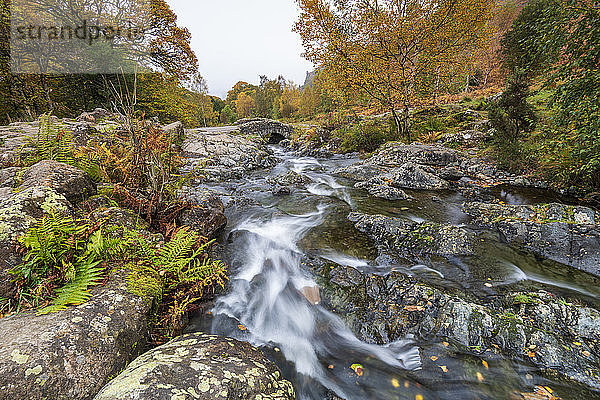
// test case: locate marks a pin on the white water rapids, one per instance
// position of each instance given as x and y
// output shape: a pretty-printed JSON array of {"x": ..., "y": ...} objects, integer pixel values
[{"x": 266, "y": 299}]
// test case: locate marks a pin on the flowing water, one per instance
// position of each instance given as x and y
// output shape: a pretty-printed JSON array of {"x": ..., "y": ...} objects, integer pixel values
[{"x": 274, "y": 301}]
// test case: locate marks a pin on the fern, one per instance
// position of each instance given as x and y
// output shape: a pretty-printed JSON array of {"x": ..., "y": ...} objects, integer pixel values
[
  {"x": 77, "y": 291},
  {"x": 50, "y": 143}
]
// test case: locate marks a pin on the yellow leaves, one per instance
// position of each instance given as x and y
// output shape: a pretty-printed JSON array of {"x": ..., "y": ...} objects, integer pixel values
[
  {"x": 444, "y": 368},
  {"x": 485, "y": 364},
  {"x": 434, "y": 358},
  {"x": 419, "y": 397},
  {"x": 480, "y": 376},
  {"x": 357, "y": 368},
  {"x": 395, "y": 383},
  {"x": 414, "y": 308}
]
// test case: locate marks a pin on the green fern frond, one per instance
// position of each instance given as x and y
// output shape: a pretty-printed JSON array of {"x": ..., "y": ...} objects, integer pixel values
[{"x": 77, "y": 291}]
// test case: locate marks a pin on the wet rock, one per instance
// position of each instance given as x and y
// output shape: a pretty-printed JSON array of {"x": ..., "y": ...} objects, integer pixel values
[
  {"x": 558, "y": 337},
  {"x": 70, "y": 355},
  {"x": 281, "y": 190},
  {"x": 221, "y": 156},
  {"x": 566, "y": 234},
  {"x": 71, "y": 182},
  {"x": 18, "y": 212},
  {"x": 290, "y": 178},
  {"x": 593, "y": 200},
  {"x": 207, "y": 216},
  {"x": 200, "y": 366},
  {"x": 400, "y": 235},
  {"x": 383, "y": 191}
]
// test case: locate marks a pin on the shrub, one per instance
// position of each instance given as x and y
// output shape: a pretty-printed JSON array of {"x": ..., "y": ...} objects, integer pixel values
[{"x": 366, "y": 136}]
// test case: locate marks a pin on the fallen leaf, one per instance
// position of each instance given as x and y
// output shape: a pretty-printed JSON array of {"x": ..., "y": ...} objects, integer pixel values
[
  {"x": 242, "y": 327},
  {"x": 406, "y": 384},
  {"x": 434, "y": 358},
  {"x": 419, "y": 397},
  {"x": 485, "y": 364},
  {"x": 446, "y": 344},
  {"x": 444, "y": 368},
  {"x": 395, "y": 383},
  {"x": 586, "y": 353},
  {"x": 480, "y": 377},
  {"x": 357, "y": 368},
  {"x": 330, "y": 367},
  {"x": 414, "y": 308},
  {"x": 488, "y": 285}
]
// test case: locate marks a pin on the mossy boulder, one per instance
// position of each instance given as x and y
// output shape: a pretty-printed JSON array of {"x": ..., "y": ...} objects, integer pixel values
[
  {"x": 200, "y": 366},
  {"x": 566, "y": 234},
  {"x": 398, "y": 235},
  {"x": 558, "y": 337},
  {"x": 71, "y": 182},
  {"x": 70, "y": 355}
]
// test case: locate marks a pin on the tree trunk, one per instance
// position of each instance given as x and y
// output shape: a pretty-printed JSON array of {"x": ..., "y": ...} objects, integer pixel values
[{"x": 401, "y": 122}]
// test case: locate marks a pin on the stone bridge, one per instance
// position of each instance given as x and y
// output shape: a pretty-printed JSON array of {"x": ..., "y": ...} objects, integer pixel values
[{"x": 272, "y": 131}]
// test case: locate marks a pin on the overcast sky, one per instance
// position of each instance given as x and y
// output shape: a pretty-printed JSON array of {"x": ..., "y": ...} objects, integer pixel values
[{"x": 238, "y": 40}]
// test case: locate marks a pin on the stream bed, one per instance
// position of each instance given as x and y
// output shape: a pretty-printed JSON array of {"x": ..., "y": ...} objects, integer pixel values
[{"x": 275, "y": 302}]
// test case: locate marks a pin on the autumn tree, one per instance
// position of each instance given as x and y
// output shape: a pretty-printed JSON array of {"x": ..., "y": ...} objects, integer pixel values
[
  {"x": 245, "y": 105},
  {"x": 267, "y": 96},
  {"x": 306, "y": 106},
  {"x": 239, "y": 87},
  {"x": 395, "y": 52}
]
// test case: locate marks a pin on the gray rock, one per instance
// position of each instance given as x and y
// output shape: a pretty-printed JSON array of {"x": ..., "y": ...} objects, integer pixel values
[
  {"x": 94, "y": 116},
  {"x": 207, "y": 216},
  {"x": 70, "y": 355},
  {"x": 412, "y": 176},
  {"x": 200, "y": 366},
  {"x": 7, "y": 177},
  {"x": 394, "y": 154},
  {"x": 400, "y": 235},
  {"x": 566, "y": 234},
  {"x": 383, "y": 191},
  {"x": 220, "y": 156},
  {"x": 71, "y": 182},
  {"x": 290, "y": 178},
  {"x": 557, "y": 337}
]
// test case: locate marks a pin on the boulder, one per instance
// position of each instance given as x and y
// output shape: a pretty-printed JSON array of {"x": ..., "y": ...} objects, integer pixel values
[
  {"x": 291, "y": 178},
  {"x": 566, "y": 234},
  {"x": 556, "y": 336},
  {"x": 383, "y": 191},
  {"x": 396, "y": 154},
  {"x": 18, "y": 212},
  {"x": 71, "y": 182},
  {"x": 207, "y": 214},
  {"x": 7, "y": 177},
  {"x": 94, "y": 116},
  {"x": 71, "y": 355},
  {"x": 220, "y": 156},
  {"x": 200, "y": 366},
  {"x": 412, "y": 176},
  {"x": 397, "y": 235}
]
